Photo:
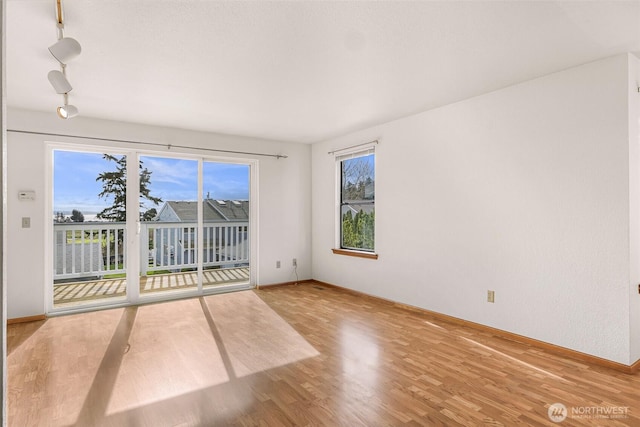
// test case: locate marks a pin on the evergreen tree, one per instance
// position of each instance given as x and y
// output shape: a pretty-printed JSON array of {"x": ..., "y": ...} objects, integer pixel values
[
  {"x": 114, "y": 184},
  {"x": 348, "y": 233},
  {"x": 77, "y": 216},
  {"x": 358, "y": 231},
  {"x": 149, "y": 215}
]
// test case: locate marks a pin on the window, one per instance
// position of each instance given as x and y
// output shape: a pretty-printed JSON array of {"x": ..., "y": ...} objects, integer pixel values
[{"x": 357, "y": 201}]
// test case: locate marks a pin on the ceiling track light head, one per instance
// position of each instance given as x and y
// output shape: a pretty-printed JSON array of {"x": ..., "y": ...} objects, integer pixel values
[
  {"x": 67, "y": 111},
  {"x": 65, "y": 49},
  {"x": 59, "y": 82}
]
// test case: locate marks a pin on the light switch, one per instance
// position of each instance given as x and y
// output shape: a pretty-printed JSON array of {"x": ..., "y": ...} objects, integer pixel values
[{"x": 26, "y": 222}]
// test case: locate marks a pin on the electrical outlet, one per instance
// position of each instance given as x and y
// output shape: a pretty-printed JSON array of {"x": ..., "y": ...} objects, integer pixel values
[
  {"x": 295, "y": 262},
  {"x": 491, "y": 296},
  {"x": 277, "y": 264}
]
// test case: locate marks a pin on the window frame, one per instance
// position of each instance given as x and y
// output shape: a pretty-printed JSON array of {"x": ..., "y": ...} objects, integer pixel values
[{"x": 339, "y": 248}]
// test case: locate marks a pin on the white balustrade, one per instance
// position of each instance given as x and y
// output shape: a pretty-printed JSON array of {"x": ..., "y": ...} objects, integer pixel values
[
  {"x": 85, "y": 250},
  {"x": 88, "y": 249}
]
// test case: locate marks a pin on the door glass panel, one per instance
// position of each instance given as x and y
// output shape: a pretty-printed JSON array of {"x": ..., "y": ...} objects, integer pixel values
[
  {"x": 225, "y": 212},
  {"x": 169, "y": 225},
  {"x": 89, "y": 228}
]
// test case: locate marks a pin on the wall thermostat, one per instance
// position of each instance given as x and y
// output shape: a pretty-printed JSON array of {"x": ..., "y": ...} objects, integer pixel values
[{"x": 26, "y": 195}]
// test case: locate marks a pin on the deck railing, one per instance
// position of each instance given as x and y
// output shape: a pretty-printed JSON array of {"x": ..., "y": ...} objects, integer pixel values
[
  {"x": 98, "y": 249},
  {"x": 88, "y": 249}
]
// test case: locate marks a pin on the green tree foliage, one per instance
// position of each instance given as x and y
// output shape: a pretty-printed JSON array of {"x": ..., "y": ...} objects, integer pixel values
[
  {"x": 114, "y": 184},
  {"x": 77, "y": 216},
  {"x": 358, "y": 232},
  {"x": 150, "y": 214}
]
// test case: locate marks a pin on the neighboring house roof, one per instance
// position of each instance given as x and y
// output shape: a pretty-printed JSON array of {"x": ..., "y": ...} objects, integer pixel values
[
  {"x": 356, "y": 207},
  {"x": 232, "y": 210},
  {"x": 214, "y": 211}
]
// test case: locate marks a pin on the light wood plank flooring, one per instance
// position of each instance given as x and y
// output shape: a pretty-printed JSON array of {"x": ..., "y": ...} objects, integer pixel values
[{"x": 293, "y": 356}]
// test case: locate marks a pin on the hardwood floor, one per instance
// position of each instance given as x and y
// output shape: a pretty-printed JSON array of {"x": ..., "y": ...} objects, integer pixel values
[{"x": 294, "y": 356}]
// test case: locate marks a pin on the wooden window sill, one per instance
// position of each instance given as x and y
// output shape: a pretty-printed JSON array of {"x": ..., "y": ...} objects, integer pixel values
[{"x": 359, "y": 254}]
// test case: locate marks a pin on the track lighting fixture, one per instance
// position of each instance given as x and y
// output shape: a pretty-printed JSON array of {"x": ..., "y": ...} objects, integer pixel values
[
  {"x": 67, "y": 111},
  {"x": 64, "y": 50},
  {"x": 59, "y": 82}
]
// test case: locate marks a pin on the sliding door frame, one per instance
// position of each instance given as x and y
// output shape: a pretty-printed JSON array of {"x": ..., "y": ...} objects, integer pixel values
[{"x": 133, "y": 226}]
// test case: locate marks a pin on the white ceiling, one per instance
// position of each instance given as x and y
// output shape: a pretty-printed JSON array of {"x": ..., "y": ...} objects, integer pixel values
[{"x": 300, "y": 71}]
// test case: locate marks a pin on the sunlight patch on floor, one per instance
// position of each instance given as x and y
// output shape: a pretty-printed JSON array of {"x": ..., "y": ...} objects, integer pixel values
[
  {"x": 255, "y": 339},
  {"x": 171, "y": 352},
  {"x": 189, "y": 347}
]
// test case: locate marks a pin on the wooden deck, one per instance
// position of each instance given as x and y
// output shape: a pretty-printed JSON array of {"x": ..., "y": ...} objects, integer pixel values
[{"x": 65, "y": 294}]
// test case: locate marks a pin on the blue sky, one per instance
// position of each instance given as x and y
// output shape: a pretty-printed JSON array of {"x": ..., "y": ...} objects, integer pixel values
[{"x": 75, "y": 185}]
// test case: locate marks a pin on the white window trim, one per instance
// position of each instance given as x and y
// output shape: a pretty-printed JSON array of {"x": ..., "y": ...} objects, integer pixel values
[{"x": 339, "y": 156}]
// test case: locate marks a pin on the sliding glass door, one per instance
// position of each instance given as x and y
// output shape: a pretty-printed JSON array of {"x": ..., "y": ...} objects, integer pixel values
[
  {"x": 89, "y": 229},
  {"x": 177, "y": 227},
  {"x": 225, "y": 210},
  {"x": 169, "y": 225}
]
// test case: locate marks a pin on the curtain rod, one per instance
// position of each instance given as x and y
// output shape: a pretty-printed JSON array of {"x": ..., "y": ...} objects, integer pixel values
[
  {"x": 155, "y": 144},
  {"x": 375, "y": 141}
]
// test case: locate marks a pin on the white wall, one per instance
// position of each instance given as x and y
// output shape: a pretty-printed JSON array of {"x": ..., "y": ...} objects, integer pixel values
[
  {"x": 524, "y": 191},
  {"x": 634, "y": 214},
  {"x": 283, "y": 196}
]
